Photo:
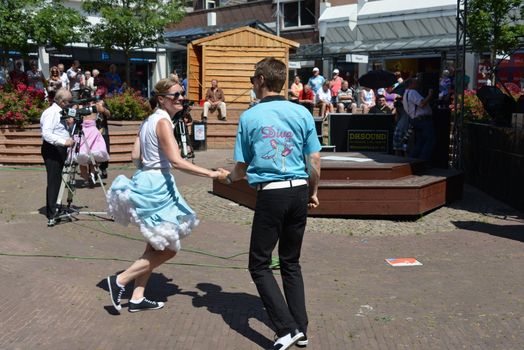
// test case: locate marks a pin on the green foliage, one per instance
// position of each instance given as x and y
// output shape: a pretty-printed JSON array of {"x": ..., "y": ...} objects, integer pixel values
[
  {"x": 493, "y": 26},
  {"x": 58, "y": 25},
  {"x": 131, "y": 24},
  {"x": 128, "y": 106},
  {"x": 39, "y": 21}
]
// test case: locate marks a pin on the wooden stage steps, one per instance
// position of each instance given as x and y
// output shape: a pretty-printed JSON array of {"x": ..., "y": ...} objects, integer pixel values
[
  {"x": 21, "y": 146},
  {"x": 384, "y": 186}
]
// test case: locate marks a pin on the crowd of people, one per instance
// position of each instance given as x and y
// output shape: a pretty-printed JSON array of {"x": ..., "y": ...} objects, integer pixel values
[{"x": 74, "y": 79}]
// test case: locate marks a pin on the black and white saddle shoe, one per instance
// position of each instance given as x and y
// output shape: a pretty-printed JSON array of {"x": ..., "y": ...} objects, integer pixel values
[
  {"x": 302, "y": 343},
  {"x": 288, "y": 340}
]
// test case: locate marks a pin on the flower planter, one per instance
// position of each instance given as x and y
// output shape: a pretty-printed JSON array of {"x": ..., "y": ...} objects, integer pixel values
[{"x": 493, "y": 159}]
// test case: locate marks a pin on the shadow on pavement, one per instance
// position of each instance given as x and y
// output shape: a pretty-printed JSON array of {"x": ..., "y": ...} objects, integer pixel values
[
  {"x": 514, "y": 232},
  {"x": 235, "y": 308},
  {"x": 159, "y": 288}
]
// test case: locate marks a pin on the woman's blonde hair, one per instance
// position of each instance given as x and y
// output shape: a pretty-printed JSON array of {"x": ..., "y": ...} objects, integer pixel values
[{"x": 161, "y": 87}]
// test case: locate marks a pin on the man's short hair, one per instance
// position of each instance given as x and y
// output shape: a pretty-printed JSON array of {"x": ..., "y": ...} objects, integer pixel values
[
  {"x": 274, "y": 72},
  {"x": 380, "y": 96}
]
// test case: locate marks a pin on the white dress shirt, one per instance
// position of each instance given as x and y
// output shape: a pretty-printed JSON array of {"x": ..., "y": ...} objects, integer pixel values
[
  {"x": 53, "y": 131},
  {"x": 412, "y": 100},
  {"x": 65, "y": 80}
]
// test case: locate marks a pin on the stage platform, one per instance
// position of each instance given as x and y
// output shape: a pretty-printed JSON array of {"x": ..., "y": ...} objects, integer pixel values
[{"x": 370, "y": 184}]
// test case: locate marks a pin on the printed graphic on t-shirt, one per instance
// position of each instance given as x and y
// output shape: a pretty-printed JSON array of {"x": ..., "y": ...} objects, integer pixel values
[{"x": 280, "y": 145}]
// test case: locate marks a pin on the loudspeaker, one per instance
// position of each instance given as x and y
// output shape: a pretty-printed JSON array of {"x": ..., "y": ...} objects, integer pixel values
[{"x": 498, "y": 105}]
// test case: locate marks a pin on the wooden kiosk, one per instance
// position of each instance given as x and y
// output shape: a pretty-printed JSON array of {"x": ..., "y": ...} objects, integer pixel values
[{"x": 230, "y": 57}]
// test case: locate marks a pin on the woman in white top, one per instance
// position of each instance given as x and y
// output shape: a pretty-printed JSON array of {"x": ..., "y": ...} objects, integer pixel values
[{"x": 150, "y": 199}]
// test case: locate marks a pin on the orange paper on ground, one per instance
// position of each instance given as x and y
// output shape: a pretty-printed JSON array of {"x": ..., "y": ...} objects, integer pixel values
[{"x": 397, "y": 262}]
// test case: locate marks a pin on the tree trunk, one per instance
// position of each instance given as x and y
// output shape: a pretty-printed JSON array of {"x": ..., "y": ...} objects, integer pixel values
[{"x": 128, "y": 68}]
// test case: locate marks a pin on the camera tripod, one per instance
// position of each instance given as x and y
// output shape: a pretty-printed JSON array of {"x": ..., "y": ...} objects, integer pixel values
[
  {"x": 181, "y": 136},
  {"x": 68, "y": 211}
]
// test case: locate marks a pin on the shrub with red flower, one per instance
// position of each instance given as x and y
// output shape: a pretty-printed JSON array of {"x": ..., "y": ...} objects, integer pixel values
[
  {"x": 473, "y": 109},
  {"x": 20, "y": 104}
]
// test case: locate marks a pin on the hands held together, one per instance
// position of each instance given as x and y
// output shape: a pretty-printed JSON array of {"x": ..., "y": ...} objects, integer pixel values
[{"x": 221, "y": 175}]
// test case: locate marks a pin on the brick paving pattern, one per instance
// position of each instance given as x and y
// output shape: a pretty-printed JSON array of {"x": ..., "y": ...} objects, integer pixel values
[{"x": 467, "y": 295}]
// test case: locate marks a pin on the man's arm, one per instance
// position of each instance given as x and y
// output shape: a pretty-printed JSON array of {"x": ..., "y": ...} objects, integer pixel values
[{"x": 313, "y": 167}]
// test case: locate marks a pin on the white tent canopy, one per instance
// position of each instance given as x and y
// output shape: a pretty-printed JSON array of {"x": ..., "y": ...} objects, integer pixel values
[{"x": 389, "y": 21}]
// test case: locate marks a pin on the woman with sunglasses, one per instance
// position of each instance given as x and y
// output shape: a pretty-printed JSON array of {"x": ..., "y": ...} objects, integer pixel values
[{"x": 150, "y": 199}]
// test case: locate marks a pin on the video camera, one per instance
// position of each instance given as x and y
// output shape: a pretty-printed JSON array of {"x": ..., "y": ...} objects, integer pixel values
[
  {"x": 184, "y": 113},
  {"x": 78, "y": 113}
]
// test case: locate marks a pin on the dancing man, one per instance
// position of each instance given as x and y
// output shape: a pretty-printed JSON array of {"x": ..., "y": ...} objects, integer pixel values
[
  {"x": 150, "y": 199},
  {"x": 278, "y": 148}
]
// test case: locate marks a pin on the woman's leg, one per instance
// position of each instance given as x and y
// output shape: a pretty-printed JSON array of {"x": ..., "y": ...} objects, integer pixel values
[{"x": 141, "y": 269}]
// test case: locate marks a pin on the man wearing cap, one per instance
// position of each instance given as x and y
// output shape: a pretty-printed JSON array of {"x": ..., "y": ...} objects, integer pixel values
[
  {"x": 334, "y": 85},
  {"x": 316, "y": 81}
]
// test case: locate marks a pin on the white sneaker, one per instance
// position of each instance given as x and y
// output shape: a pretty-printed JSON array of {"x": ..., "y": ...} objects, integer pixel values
[{"x": 288, "y": 340}]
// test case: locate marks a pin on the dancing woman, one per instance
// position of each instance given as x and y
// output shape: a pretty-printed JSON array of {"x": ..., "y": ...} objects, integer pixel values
[{"x": 150, "y": 199}]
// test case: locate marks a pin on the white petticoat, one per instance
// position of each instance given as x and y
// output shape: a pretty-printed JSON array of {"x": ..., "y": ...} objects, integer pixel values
[{"x": 151, "y": 201}]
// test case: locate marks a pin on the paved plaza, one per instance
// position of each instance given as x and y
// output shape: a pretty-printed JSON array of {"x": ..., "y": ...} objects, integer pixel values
[{"x": 467, "y": 295}]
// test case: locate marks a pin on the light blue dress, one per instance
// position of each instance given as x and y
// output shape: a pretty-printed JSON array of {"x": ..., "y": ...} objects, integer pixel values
[{"x": 150, "y": 199}]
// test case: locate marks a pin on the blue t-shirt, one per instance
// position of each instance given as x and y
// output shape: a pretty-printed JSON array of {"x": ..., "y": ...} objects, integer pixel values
[
  {"x": 273, "y": 138},
  {"x": 316, "y": 83}
]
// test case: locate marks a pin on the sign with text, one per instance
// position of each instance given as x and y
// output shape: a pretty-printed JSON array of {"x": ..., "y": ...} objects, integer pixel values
[
  {"x": 357, "y": 58},
  {"x": 294, "y": 65},
  {"x": 368, "y": 140}
]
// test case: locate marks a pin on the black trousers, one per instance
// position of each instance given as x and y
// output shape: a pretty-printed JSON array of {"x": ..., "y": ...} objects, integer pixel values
[
  {"x": 280, "y": 216},
  {"x": 54, "y": 159}
]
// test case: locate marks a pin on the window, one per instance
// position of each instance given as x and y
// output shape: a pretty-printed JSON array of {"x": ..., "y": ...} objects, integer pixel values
[
  {"x": 210, "y": 4},
  {"x": 298, "y": 14}
]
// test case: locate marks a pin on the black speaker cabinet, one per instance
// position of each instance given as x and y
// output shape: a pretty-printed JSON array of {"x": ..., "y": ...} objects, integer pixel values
[{"x": 361, "y": 132}]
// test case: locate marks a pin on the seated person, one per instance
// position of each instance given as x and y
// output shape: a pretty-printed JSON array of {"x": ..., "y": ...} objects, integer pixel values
[
  {"x": 295, "y": 89},
  {"x": 366, "y": 99},
  {"x": 307, "y": 98},
  {"x": 345, "y": 100},
  {"x": 214, "y": 100},
  {"x": 324, "y": 101},
  {"x": 381, "y": 107}
]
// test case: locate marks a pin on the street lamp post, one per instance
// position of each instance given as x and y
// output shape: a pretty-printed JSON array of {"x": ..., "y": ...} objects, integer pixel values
[{"x": 322, "y": 30}]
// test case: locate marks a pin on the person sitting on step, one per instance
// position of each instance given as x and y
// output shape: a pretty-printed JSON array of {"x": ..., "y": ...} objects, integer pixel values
[{"x": 214, "y": 100}]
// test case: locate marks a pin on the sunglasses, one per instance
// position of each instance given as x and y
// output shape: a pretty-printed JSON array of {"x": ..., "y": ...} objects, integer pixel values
[
  {"x": 175, "y": 95},
  {"x": 252, "y": 79}
]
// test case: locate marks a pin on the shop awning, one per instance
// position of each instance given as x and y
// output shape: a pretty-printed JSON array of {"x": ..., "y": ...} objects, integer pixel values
[
  {"x": 378, "y": 48},
  {"x": 387, "y": 20}
]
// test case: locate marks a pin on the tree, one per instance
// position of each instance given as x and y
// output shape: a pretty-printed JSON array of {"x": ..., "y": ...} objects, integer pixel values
[
  {"x": 132, "y": 24},
  {"x": 493, "y": 26},
  {"x": 24, "y": 23}
]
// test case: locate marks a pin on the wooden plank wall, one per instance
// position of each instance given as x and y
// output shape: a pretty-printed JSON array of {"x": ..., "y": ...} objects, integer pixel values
[
  {"x": 194, "y": 72},
  {"x": 233, "y": 66}
]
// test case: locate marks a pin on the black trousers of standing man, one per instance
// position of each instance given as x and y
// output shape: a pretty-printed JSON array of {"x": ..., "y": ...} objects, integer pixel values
[
  {"x": 54, "y": 159},
  {"x": 280, "y": 215}
]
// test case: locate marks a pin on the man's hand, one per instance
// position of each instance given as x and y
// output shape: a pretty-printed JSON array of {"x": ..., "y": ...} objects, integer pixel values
[
  {"x": 69, "y": 142},
  {"x": 313, "y": 202}
]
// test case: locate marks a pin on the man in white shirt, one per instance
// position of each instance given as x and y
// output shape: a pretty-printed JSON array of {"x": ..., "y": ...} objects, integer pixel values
[
  {"x": 56, "y": 139},
  {"x": 63, "y": 76},
  {"x": 420, "y": 114},
  {"x": 74, "y": 74}
]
